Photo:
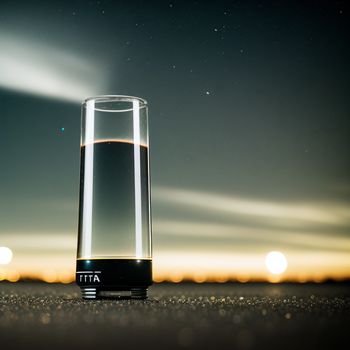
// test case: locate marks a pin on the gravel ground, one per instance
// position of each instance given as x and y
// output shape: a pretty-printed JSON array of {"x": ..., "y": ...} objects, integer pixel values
[{"x": 177, "y": 316}]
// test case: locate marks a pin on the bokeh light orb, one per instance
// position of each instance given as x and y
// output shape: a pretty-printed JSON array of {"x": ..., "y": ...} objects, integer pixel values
[
  {"x": 276, "y": 263},
  {"x": 5, "y": 255}
]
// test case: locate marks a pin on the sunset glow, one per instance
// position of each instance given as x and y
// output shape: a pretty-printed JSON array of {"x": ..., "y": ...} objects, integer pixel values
[
  {"x": 206, "y": 249},
  {"x": 276, "y": 263},
  {"x": 5, "y": 255}
]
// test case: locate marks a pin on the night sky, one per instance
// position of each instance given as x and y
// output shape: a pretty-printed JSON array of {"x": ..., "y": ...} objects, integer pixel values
[{"x": 249, "y": 129}]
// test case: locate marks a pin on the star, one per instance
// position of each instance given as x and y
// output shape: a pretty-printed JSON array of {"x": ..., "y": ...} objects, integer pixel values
[
  {"x": 61, "y": 130},
  {"x": 207, "y": 93}
]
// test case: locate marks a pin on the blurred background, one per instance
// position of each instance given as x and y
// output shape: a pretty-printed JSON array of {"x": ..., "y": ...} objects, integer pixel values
[{"x": 249, "y": 131}]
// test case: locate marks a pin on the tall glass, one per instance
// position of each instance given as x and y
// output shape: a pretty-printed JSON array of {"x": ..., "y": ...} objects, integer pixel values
[{"x": 114, "y": 239}]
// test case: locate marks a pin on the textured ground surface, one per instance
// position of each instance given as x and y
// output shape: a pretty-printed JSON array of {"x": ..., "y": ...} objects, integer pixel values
[{"x": 184, "y": 316}]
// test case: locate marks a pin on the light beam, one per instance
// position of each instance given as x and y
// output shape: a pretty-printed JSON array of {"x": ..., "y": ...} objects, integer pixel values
[{"x": 31, "y": 67}]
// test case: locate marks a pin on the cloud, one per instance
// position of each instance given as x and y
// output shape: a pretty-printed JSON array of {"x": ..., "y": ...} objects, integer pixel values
[
  {"x": 250, "y": 238},
  {"x": 301, "y": 213},
  {"x": 32, "y": 67},
  {"x": 41, "y": 243}
]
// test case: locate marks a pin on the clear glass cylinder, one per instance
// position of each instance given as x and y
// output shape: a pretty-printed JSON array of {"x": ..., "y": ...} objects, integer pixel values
[{"x": 114, "y": 235}]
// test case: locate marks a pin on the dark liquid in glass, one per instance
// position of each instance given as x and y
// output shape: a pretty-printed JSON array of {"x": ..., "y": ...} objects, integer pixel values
[{"x": 113, "y": 265}]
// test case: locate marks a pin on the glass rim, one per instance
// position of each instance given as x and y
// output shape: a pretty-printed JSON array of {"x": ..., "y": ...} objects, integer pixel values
[{"x": 114, "y": 98}]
